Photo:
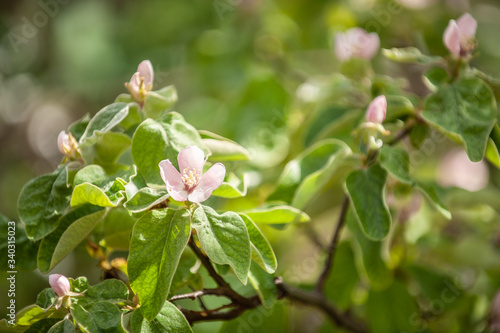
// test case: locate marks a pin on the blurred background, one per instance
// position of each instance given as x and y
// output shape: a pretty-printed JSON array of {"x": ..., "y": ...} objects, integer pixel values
[{"x": 237, "y": 65}]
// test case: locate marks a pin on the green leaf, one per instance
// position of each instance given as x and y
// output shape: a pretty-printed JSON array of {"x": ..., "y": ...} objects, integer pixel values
[
  {"x": 42, "y": 201},
  {"x": 112, "y": 290},
  {"x": 409, "y": 55},
  {"x": 30, "y": 315},
  {"x": 398, "y": 107},
  {"x": 116, "y": 229},
  {"x": 223, "y": 149},
  {"x": 43, "y": 325},
  {"x": 146, "y": 198},
  {"x": 169, "y": 320},
  {"x": 232, "y": 187},
  {"x": 158, "y": 239},
  {"x": 418, "y": 135},
  {"x": 263, "y": 283},
  {"x": 397, "y": 162},
  {"x": 73, "y": 228},
  {"x": 155, "y": 141},
  {"x": 224, "y": 238},
  {"x": 84, "y": 319},
  {"x": 464, "y": 110},
  {"x": 492, "y": 153},
  {"x": 64, "y": 326},
  {"x": 391, "y": 310},
  {"x": 262, "y": 252},
  {"x": 158, "y": 102},
  {"x": 78, "y": 127},
  {"x": 305, "y": 176},
  {"x": 277, "y": 215},
  {"x": 79, "y": 285},
  {"x": 366, "y": 190},
  {"x": 99, "y": 318},
  {"x": 107, "y": 148},
  {"x": 46, "y": 298},
  {"x": 370, "y": 254},
  {"x": 434, "y": 77},
  {"x": 87, "y": 193},
  {"x": 431, "y": 194},
  {"x": 106, "y": 316},
  {"x": 103, "y": 121}
]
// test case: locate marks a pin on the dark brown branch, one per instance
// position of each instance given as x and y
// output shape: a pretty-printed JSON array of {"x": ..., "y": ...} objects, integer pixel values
[
  {"x": 332, "y": 246},
  {"x": 319, "y": 301},
  {"x": 220, "y": 314},
  {"x": 402, "y": 134}
]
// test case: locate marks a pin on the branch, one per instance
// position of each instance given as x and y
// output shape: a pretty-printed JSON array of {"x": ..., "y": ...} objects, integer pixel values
[
  {"x": 219, "y": 313},
  {"x": 319, "y": 301},
  {"x": 332, "y": 247}
]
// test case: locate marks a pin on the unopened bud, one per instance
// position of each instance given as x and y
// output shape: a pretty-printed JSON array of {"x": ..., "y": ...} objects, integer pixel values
[
  {"x": 375, "y": 113},
  {"x": 68, "y": 145},
  {"x": 60, "y": 284}
]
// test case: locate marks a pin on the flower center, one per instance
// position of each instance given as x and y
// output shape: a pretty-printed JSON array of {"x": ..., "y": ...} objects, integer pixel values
[{"x": 191, "y": 177}]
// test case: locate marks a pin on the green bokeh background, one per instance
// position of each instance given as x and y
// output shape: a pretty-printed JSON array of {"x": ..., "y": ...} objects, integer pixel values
[{"x": 236, "y": 64}]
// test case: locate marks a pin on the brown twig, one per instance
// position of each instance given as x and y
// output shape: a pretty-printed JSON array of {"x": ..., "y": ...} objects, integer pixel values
[{"x": 332, "y": 247}]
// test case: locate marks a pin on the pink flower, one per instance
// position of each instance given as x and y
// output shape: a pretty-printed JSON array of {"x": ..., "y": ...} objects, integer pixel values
[
  {"x": 60, "y": 284},
  {"x": 191, "y": 184},
  {"x": 375, "y": 113},
  {"x": 68, "y": 145},
  {"x": 141, "y": 82},
  {"x": 459, "y": 36},
  {"x": 356, "y": 43}
]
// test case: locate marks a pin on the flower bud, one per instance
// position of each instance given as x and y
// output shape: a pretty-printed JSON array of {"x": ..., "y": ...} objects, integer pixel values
[
  {"x": 68, "y": 145},
  {"x": 459, "y": 36},
  {"x": 375, "y": 113},
  {"x": 60, "y": 284},
  {"x": 141, "y": 83},
  {"x": 356, "y": 43}
]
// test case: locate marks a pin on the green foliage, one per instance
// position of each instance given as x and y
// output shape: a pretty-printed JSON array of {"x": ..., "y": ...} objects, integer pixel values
[
  {"x": 169, "y": 320},
  {"x": 224, "y": 238},
  {"x": 158, "y": 239},
  {"x": 465, "y": 110},
  {"x": 366, "y": 190}
]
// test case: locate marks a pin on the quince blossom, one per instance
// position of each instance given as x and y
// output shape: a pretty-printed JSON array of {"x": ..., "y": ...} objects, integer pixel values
[
  {"x": 356, "y": 43},
  {"x": 459, "y": 36},
  {"x": 68, "y": 145},
  {"x": 141, "y": 83},
  {"x": 375, "y": 113},
  {"x": 190, "y": 184},
  {"x": 60, "y": 284}
]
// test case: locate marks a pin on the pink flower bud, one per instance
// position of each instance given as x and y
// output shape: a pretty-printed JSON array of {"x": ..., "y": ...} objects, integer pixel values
[
  {"x": 63, "y": 143},
  {"x": 141, "y": 83},
  {"x": 375, "y": 113},
  {"x": 68, "y": 145},
  {"x": 356, "y": 43},
  {"x": 60, "y": 284},
  {"x": 459, "y": 36}
]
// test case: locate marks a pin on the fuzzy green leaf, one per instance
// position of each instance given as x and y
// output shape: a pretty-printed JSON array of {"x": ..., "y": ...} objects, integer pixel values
[
  {"x": 158, "y": 239},
  {"x": 224, "y": 238},
  {"x": 366, "y": 190}
]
